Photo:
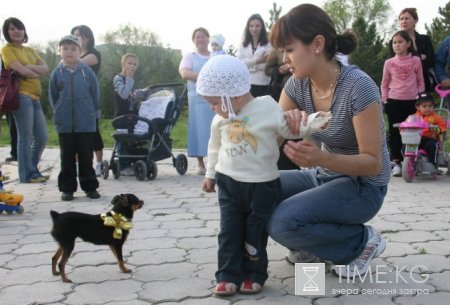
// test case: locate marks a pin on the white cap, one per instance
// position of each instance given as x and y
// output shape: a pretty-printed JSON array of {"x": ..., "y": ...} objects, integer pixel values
[{"x": 225, "y": 76}]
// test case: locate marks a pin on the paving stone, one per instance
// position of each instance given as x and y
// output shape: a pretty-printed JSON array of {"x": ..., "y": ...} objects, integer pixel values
[
  {"x": 172, "y": 249},
  {"x": 356, "y": 300},
  {"x": 407, "y": 236},
  {"x": 208, "y": 301},
  {"x": 441, "y": 247},
  {"x": 399, "y": 249},
  {"x": 157, "y": 256},
  {"x": 176, "y": 290},
  {"x": 429, "y": 262},
  {"x": 440, "y": 280},
  {"x": 45, "y": 292},
  {"x": 28, "y": 275},
  {"x": 439, "y": 298},
  {"x": 165, "y": 272},
  {"x": 112, "y": 290},
  {"x": 430, "y": 225},
  {"x": 196, "y": 243}
]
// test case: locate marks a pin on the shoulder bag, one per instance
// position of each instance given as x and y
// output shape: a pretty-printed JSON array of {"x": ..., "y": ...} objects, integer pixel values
[{"x": 9, "y": 90}]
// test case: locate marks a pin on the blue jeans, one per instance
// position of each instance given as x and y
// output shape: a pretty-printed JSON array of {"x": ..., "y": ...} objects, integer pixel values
[
  {"x": 244, "y": 211},
  {"x": 32, "y": 137},
  {"x": 324, "y": 216}
]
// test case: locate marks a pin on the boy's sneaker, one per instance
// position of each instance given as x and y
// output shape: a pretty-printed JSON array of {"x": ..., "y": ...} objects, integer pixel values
[
  {"x": 397, "y": 171},
  {"x": 300, "y": 257},
  {"x": 358, "y": 267},
  {"x": 93, "y": 194},
  {"x": 67, "y": 196},
  {"x": 98, "y": 169}
]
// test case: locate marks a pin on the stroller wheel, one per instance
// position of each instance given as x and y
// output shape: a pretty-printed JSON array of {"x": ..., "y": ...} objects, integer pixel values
[
  {"x": 140, "y": 170},
  {"x": 181, "y": 164},
  {"x": 152, "y": 170},
  {"x": 105, "y": 169},
  {"x": 115, "y": 167}
]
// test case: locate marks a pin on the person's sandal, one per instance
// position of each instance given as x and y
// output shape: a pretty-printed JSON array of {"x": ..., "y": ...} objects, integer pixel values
[
  {"x": 225, "y": 289},
  {"x": 250, "y": 287}
]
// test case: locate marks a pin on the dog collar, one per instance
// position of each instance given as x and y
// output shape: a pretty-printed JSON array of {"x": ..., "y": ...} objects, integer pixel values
[{"x": 117, "y": 221}]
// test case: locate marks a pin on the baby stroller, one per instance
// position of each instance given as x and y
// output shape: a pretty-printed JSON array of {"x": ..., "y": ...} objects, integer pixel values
[{"x": 143, "y": 139}]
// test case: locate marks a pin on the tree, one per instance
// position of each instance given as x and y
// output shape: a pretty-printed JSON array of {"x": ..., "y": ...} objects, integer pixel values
[
  {"x": 440, "y": 26},
  {"x": 345, "y": 12},
  {"x": 370, "y": 53},
  {"x": 274, "y": 12},
  {"x": 156, "y": 63}
]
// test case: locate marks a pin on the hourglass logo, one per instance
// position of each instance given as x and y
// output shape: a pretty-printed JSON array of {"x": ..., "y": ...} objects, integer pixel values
[{"x": 310, "y": 279}]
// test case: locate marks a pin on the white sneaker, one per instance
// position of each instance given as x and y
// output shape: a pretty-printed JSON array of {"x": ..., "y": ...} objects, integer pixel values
[
  {"x": 98, "y": 169},
  {"x": 397, "y": 171},
  {"x": 300, "y": 257},
  {"x": 374, "y": 247},
  {"x": 127, "y": 171}
]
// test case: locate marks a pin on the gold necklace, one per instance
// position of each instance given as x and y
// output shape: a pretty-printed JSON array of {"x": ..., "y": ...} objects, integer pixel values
[{"x": 327, "y": 95}]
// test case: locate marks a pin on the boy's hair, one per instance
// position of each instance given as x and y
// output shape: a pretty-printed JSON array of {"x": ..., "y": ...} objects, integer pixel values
[
  {"x": 424, "y": 98},
  {"x": 126, "y": 56}
]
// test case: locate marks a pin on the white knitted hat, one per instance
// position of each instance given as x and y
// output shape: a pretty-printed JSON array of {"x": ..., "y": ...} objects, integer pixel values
[{"x": 225, "y": 76}]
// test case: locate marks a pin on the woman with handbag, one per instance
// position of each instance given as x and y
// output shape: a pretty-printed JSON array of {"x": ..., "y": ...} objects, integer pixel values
[{"x": 30, "y": 120}]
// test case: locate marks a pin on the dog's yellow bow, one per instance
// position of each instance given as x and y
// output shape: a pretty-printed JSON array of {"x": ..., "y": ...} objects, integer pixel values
[{"x": 117, "y": 221}]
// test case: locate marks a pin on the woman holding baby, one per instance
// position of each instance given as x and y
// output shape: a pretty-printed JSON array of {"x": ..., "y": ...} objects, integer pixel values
[{"x": 324, "y": 207}]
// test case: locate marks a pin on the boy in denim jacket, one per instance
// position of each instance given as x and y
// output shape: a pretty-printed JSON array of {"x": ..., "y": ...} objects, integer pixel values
[{"x": 74, "y": 97}]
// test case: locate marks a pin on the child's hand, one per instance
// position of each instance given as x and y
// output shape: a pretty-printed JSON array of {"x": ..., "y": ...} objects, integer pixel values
[
  {"x": 208, "y": 185},
  {"x": 129, "y": 72}
]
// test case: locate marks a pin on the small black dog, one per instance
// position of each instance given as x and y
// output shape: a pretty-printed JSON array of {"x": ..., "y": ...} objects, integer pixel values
[{"x": 111, "y": 229}]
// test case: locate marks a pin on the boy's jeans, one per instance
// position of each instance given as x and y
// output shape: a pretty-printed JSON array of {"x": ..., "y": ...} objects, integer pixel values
[
  {"x": 32, "y": 137},
  {"x": 324, "y": 217},
  {"x": 244, "y": 211}
]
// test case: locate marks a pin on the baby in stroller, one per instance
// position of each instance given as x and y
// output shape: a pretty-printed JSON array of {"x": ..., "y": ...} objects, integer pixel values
[{"x": 142, "y": 139}]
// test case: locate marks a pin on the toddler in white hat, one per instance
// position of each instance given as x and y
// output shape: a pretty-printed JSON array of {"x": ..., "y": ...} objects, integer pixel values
[
  {"x": 242, "y": 161},
  {"x": 217, "y": 41}
]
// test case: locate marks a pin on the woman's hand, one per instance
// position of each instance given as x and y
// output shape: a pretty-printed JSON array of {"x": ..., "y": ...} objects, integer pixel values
[
  {"x": 208, "y": 185},
  {"x": 294, "y": 118},
  {"x": 304, "y": 153}
]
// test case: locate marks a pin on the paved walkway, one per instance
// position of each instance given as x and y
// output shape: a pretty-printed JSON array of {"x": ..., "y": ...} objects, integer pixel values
[{"x": 172, "y": 249}]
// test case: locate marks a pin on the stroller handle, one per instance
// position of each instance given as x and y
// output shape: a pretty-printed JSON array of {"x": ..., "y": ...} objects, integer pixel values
[
  {"x": 443, "y": 93},
  {"x": 176, "y": 85}
]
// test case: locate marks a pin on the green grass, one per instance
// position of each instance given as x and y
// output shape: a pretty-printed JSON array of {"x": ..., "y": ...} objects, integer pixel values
[{"x": 178, "y": 133}]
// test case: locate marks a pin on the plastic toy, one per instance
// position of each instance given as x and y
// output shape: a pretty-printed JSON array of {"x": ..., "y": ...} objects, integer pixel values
[
  {"x": 415, "y": 161},
  {"x": 9, "y": 202}
]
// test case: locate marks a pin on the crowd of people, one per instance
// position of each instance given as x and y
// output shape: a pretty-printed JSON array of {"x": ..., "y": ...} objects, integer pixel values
[{"x": 341, "y": 171}]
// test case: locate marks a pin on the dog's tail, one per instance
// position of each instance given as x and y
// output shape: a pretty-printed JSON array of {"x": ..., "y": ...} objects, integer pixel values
[{"x": 54, "y": 215}]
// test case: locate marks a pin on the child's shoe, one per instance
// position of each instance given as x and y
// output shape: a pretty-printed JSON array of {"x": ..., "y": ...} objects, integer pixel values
[
  {"x": 225, "y": 289},
  {"x": 250, "y": 287}
]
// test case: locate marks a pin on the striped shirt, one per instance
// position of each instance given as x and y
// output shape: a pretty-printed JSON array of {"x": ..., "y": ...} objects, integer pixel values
[{"x": 354, "y": 92}]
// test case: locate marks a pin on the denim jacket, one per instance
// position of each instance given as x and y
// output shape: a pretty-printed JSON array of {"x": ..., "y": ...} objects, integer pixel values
[
  {"x": 442, "y": 61},
  {"x": 74, "y": 97}
]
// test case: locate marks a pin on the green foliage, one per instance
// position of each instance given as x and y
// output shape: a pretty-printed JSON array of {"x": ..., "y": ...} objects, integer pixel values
[
  {"x": 231, "y": 50},
  {"x": 345, "y": 12},
  {"x": 440, "y": 26},
  {"x": 157, "y": 64},
  {"x": 274, "y": 12},
  {"x": 178, "y": 133},
  {"x": 370, "y": 53}
]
